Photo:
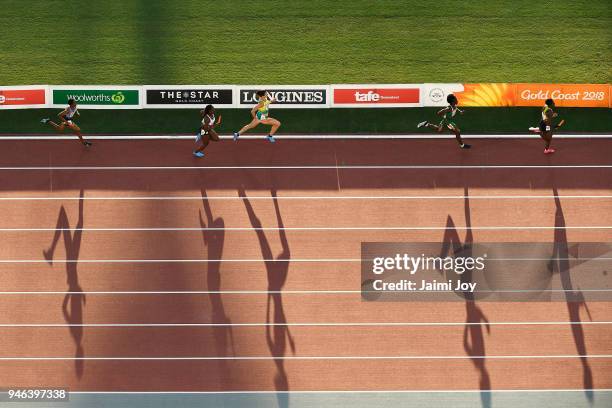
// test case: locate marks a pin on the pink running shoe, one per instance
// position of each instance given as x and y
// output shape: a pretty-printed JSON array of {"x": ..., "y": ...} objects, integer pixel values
[{"x": 550, "y": 150}]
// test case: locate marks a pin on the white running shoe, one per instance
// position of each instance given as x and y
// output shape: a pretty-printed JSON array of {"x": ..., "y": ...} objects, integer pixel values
[{"x": 420, "y": 125}]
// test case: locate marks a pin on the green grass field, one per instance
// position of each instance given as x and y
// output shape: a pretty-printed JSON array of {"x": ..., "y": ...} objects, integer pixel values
[{"x": 304, "y": 42}]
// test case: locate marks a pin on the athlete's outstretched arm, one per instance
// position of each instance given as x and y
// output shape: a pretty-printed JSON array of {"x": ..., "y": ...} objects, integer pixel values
[
  {"x": 442, "y": 111},
  {"x": 62, "y": 113}
]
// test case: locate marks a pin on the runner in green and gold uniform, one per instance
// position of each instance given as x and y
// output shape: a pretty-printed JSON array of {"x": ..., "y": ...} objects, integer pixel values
[
  {"x": 448, "y": 121},
  {"x": 260, "y": 114},
  {"x": 546, "y": 128}
]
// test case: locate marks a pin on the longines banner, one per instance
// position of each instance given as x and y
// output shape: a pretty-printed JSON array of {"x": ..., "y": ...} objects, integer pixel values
[
  {"x": 522, "y": 94},
  {"x": 293, "y": 96},
  {"x": 188, "y": 96}
]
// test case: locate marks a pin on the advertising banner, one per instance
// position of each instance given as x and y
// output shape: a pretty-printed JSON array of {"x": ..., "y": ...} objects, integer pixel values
[
  {"x": 381, "y": 96},
  {"x": 20, "y": 97},
  {"x": 435, "y": 94},
  {"x": 293, "y": 96},
  {"x": 564, "y": 95},
  {"x": 188, "y": 96},
  {"x": 522, "y": 94},
  {"x": 487, "y": 94},
  {"x": 97, "y": 97}
]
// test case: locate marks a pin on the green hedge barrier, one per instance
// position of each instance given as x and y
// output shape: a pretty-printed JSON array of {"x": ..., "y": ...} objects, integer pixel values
[{"x": 308, "y": 121}]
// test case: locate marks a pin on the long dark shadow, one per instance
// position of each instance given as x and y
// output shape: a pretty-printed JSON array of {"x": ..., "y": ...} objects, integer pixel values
[
  {"x": 72, "y": 306},
  {"x": 277, "y": 271},
  {"x": 574, "y": 297},
  {"x": 473, "y": 335},
  {"x": 222, "y": 331}
]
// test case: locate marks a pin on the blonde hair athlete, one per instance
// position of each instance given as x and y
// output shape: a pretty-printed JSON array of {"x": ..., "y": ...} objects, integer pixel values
[{"x": 260, "y": 114}]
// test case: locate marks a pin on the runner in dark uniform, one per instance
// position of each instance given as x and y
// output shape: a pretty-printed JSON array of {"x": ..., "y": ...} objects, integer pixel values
[{"x": 206, "y": 132}]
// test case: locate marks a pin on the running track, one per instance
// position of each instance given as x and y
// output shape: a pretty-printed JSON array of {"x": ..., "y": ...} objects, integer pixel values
[{"x": 189, "y": 287}]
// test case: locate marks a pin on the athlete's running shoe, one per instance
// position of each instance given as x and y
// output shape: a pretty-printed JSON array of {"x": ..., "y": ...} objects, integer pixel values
[
  {"x": 270, "y": 138},
  {"x": 534, "y": 129},
  {"x": 423, "y": 123},
  {"x": 45, "y": 120},
  {"x": 198, "y": 154},
  {"x": 87, "y": 144},
  {"x": 465, "y": 146},
  {"x": 550, "y": 150},
  {"x": 236, "y": 136}
]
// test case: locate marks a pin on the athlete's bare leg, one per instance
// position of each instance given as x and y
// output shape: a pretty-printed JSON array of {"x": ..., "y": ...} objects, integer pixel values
[
  {"x": 59, "y": 128},
  {"x": 250, "y": 125},
  {"x": 77, "y": 131},
  {"x": 457, "y": 132},
  {"x": 272, "y": 122}
]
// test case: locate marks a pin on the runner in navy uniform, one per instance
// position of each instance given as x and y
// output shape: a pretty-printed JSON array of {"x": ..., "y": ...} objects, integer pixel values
[{"x": 67, "y": 120}]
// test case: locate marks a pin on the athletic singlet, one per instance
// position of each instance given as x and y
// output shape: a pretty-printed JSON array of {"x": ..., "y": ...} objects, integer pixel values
[
  {"x": 211, "y": 120},
  {"x": 545, "y": 110},
  {"x": 263, "y": 110},
  {"x": 70, "y": 112},
  {"x": 451, "y": 112}
]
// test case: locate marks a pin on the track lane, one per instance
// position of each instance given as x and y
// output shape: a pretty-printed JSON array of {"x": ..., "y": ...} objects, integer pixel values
[{"x": 308, "y": 375}]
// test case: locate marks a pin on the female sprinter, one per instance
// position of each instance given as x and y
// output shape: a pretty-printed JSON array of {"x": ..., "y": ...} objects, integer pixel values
[
  {"x": 545, "y": 129},
  {"x": 206, "y": 133},
  {"x": 448, "y": 120},
  {"x": 67, "y": 119},
  {"x": 260, "y": 114}
]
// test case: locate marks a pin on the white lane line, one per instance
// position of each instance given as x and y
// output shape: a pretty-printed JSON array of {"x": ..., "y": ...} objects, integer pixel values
[
  {"x": 425, "y": 136},
  {"x": 243, "y": 358},
  {"x": 581, "y": 390},
  {"x": 337, "y": 324},
  {"x": 229, "y": 198},
  {"x": 313, "y": 167},
  {"x": 285, "y": 292},
  {"x": 260, "y": 260},
  {"x": 179, "y": 229}
]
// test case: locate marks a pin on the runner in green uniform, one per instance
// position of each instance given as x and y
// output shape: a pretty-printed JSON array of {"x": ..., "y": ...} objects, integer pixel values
[
  {"x": 448, "y": 121},
  {"x": 261, "y": 114}
]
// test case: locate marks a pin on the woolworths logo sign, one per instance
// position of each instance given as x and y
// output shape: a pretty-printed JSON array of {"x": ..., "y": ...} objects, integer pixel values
[{"x": 96, "y": 96}]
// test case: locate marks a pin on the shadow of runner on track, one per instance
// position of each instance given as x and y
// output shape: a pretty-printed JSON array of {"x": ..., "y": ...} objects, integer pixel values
[
  {"x": 74, "y": 301},
  {"x": 473, "y": 336},
  {"x": 223, "y": 335},
  {"x": 277, "y": 269},
  {"x": 574, "y": 297}
]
